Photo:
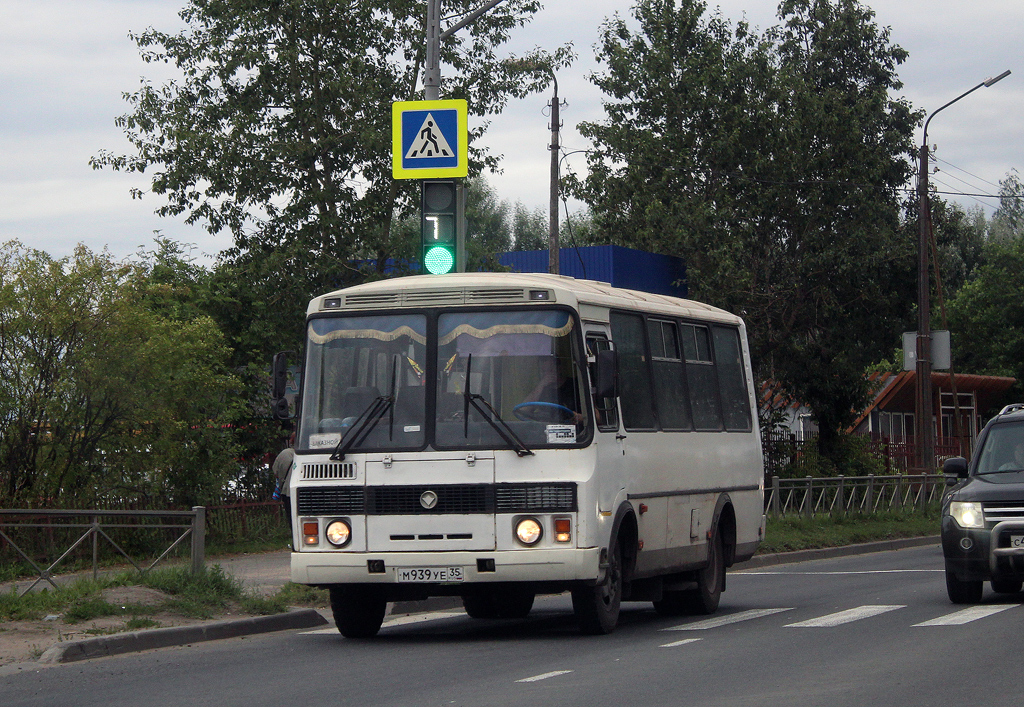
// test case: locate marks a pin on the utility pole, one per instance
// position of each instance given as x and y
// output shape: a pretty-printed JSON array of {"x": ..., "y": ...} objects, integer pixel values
[
  {"x": 923, "y": 408},
  {"x": 923, "y": 394},
  {"x": 553, "y": 265},
  {"x": 434, "y": 35}
]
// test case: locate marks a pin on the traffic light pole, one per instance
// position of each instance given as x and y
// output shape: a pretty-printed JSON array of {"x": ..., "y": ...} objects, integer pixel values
[{"x": 432, "y": 92}]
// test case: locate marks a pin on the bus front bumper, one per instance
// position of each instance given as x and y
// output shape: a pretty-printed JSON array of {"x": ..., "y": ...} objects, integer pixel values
[{"x": 541, "y": 565}]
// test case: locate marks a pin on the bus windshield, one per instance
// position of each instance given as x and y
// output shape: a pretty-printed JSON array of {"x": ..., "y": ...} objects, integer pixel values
[
  {"x": 352, "y": 362},
  {"x": 497, "y": 372},
  {"x": 524, "y": 364}
]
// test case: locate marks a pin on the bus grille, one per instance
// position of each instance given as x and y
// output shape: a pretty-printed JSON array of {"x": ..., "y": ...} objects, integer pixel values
[
  {"x": 451, "y": 499},
  {"x": 346, "y": 470},
  {"x": 535, "y": 498},
  {"x": 331, "y": 500}
]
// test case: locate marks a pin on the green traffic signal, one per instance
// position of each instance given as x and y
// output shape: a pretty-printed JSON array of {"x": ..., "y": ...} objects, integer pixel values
[
  {"x": 438, "y": 242},
  {"x": 438, "y": 260}
]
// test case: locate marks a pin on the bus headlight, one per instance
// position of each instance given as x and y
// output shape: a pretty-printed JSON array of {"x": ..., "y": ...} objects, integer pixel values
[
  {"x": 338, "y": 533},
  {"x": 528, "y": 531},
  {"x": 967, "y": 515}
]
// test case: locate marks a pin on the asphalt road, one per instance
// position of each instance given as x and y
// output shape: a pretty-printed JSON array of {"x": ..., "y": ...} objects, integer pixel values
[{"x": 865, "y": 630}]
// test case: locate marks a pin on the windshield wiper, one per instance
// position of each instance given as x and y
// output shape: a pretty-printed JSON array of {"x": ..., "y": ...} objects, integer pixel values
[
  {"x": 367, "y": 420},
  {"x": 481, "y": 405}
]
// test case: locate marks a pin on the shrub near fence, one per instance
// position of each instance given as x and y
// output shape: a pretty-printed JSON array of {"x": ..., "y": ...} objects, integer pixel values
[{"x": 849, "y": 495}]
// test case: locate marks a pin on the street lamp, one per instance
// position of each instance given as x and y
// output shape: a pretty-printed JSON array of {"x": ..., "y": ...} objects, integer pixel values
[{"x": 923, "y": 405}]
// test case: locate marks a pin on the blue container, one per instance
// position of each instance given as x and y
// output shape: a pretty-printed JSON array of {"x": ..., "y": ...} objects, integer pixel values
[{"x": 618, "y": 266}]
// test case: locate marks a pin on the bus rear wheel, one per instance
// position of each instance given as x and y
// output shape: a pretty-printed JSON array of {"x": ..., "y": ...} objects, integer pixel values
[
  {"x": 710, "y": 581},
  {"x": 597, "y": 607},
  {"x": 358, "y": 611}
]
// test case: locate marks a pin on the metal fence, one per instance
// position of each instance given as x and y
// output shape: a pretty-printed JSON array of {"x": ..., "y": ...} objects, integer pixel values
[
  {"x": 96, "y": 524},
  {"x": 849, "y": 495}
]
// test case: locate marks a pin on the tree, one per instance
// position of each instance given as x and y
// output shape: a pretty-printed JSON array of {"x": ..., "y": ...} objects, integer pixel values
[
  {"x": 103, "y": 398},
  {"x": 986, "y": 317},
  {"x": 771, "y": 164},
  {"x": 279, "y": 129},
  {"x": 530, "y": 229}
]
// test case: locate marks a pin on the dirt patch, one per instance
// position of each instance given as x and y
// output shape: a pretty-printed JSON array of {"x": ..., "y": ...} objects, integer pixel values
[{"x": 22, "y": 641}]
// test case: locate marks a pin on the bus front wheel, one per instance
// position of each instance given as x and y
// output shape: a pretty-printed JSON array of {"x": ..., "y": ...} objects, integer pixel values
[
  {"x": 358, "y": 611},
  {"x": 597, "y": 607}
]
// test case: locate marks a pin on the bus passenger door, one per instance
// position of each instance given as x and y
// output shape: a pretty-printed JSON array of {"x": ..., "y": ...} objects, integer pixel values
[{"x": 610, "y": 462}]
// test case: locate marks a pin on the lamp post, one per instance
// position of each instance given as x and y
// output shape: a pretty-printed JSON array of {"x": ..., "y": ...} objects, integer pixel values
[{"x": 923, "y": 405}]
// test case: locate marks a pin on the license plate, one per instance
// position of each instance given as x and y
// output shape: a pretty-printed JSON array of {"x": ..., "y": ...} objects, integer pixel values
[
  {"x": 1017, "y": 542},
  {"x": 429, "y": 574}
]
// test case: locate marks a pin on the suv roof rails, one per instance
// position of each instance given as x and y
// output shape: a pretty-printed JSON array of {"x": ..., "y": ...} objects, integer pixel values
[{"x": 1013, "y": 407}]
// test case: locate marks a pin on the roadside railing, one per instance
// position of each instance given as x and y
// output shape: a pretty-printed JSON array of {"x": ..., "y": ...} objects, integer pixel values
[
  {"x": 848, "y": 495},
  {"x": 96, "y": 526}
]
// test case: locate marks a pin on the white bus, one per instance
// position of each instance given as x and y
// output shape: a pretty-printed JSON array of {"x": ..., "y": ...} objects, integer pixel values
[{"x": 494, "y": 436}]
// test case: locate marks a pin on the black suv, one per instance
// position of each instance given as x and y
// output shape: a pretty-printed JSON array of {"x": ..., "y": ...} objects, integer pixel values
[{"x": 983, "y": 512}]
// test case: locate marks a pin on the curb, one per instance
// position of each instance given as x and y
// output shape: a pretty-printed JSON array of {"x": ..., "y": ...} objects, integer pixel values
[
  {"x": 826, "y": 553},
  {"x": 117, "y": 644}
]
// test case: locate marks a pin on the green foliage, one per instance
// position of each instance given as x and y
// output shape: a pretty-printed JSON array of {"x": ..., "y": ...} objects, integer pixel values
[
  {"x": 112, "y": 389},
  {"x": 279, "y": 128},
  {"x": 303, "y": 595},
  {"x": 771, "y": 164},
  {"x": 797, "y": 533},
  {"x": 986, "y": 317},
  {"x": 851, "y": 456}
]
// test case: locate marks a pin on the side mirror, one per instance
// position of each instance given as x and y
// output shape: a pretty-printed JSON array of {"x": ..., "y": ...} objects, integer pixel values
[
  {"x": 607, "y": 383},
  {"x": 955, "y": 468},
  {"x": 279, "y": 385}
]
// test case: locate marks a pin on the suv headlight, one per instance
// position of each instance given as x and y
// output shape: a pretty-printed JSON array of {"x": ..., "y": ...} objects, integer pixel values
[{"x": 967, "y": 515}]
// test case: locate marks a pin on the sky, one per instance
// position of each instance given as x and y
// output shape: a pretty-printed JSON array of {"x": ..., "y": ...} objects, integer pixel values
[{"x": 64, "y": 65}]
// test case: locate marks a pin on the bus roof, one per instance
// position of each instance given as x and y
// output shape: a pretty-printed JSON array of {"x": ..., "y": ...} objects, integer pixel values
[{"x": 484, "y": 288}]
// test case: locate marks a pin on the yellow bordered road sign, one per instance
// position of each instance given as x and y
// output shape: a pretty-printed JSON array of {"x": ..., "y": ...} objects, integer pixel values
[{"x": 429, "y": 139}]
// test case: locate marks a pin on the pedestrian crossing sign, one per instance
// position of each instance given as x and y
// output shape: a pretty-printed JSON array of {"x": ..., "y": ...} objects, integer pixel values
[{"x": 429, "y": 139}]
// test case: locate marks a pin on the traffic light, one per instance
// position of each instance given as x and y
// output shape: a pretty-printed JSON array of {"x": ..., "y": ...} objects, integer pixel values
[{"x": 438, "y": 227}]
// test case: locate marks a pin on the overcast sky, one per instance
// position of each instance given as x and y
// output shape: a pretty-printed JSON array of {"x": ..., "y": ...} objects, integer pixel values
[{"x": 65, "y": 64}]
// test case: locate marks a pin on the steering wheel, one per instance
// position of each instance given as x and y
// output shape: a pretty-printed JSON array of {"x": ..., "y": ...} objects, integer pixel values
[{"x": 534, "y": 410}]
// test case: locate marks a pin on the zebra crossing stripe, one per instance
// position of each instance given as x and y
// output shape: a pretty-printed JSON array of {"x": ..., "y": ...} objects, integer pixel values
[
  {"x": 726, "y": 620},
  {"x": 680, "y": 643},
  {"x": 965, "y": 616},
  {"x": 845, "y": 617},
  {"x": 545, "y": 676}
]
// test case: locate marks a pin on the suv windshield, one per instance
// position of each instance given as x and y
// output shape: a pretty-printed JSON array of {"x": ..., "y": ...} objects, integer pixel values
[
  {"x": 353, "y": 361},
  {"x": 1003, "y": 450}
]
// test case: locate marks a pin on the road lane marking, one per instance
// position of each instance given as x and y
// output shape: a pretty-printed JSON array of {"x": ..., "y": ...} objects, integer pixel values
[
  {"x": 421, "y": 618},
  {"x": 680, "y": 643},
  {"x": 965, "y": 616},
  {"x": 400, "y": 621},
  {"x": 835, "y": 572},
  {"x": 726, "y": 619},
  {"x": 845, "y": 617},
  {"x": 545, "y": 676}
]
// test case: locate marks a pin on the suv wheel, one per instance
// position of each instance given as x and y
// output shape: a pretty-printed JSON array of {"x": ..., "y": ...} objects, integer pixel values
[{"x": 963, "y": 591}]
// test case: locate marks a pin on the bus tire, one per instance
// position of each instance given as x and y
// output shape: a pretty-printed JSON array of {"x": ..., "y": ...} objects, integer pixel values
[
  {"x": 710, "y": 581},
  {"x": 597, "y": 607},
  {"x": 358, "y": 611}
]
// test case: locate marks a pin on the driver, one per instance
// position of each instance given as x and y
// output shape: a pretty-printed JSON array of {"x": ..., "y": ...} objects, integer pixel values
[
  {"x": 1017, "y": 462},
  {"x": 556, "y": 387}
]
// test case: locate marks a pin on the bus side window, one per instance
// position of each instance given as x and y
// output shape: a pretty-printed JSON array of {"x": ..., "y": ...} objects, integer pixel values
[{"x": 606, "y": 411}]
